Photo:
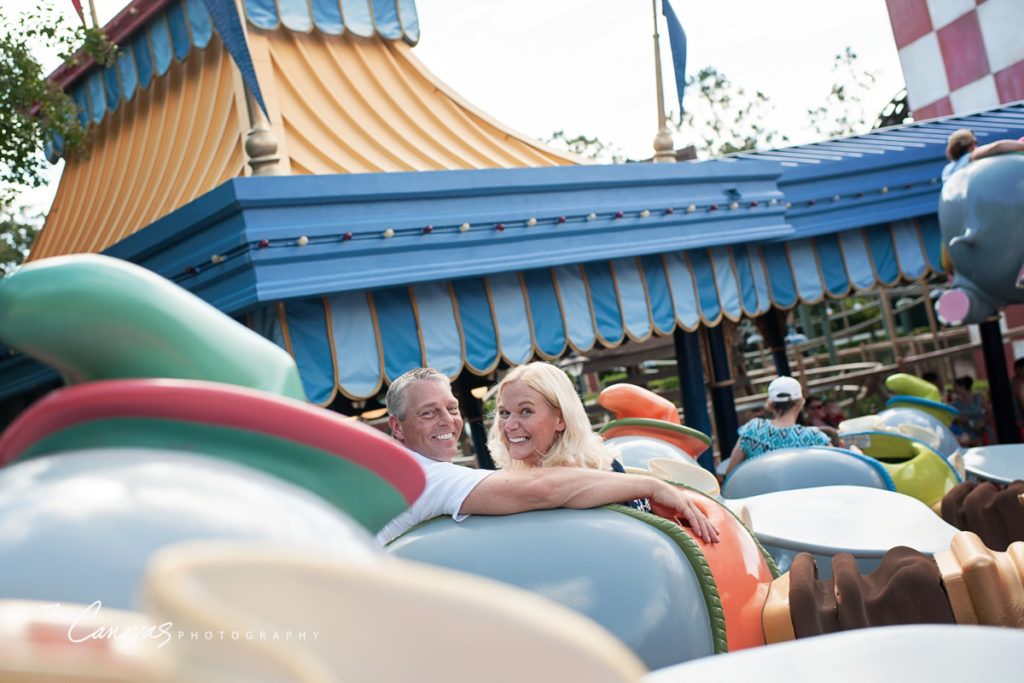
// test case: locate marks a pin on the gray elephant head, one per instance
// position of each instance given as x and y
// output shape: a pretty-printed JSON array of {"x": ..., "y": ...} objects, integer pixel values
[{"x": 981, "y": 216}]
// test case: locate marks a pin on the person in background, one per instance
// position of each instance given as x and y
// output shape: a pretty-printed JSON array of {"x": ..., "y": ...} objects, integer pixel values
[
  {"x": 972, "y": 422},
  {"x": 962, "y": 148},
  {"x": 933, "y": 378},
  {"x": 816, "y": 416},
  {"x": 833, "y": 413},
  {"x": 757, "y": 437},
  {"x": 1018, "y": 392}
]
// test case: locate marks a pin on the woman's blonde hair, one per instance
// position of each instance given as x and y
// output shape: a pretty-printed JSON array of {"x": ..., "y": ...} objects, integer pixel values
[
  {"x": 959, "y": 142},
  {"x": 578, "y": 445}
]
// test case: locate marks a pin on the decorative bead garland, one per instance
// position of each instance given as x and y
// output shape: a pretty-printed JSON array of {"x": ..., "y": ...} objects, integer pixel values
[{"x": 389, "y": 233}]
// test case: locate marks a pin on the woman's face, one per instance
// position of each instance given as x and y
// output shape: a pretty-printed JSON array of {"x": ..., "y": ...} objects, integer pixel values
[{"x": 528, "y": 424}]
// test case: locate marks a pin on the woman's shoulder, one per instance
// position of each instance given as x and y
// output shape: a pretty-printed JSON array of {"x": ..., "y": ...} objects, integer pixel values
[{"x": 754, "y": 424}]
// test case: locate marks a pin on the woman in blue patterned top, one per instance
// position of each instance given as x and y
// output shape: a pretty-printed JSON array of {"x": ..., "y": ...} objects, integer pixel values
[
  {"x": 757, "y": 437},
  {"x": 541, "y": 422}
]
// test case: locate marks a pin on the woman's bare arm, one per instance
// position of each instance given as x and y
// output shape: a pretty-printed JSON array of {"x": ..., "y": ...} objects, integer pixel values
[{"x": 511, "y": 491}]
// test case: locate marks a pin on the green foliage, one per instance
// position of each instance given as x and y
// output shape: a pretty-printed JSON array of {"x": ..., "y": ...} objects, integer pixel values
[
  {"x": 664, "y": 384},
  {"x": 588, "y": 148},
  {"x": 612, "y": 377},
  {"x": 725, "y": 117},
  {"x": 17, "y": 231},
  {"x": 842, "y": 112},
  {"x": 33, "y": 110}
]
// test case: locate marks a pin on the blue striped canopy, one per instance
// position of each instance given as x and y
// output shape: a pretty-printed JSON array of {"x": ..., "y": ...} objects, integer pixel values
[
  {"x": 354, "y": 343},
  {"x": 364, "y": 276}
]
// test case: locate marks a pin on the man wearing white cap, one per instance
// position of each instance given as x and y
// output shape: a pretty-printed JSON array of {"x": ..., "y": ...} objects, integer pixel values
[{"x": 757, "y": 437}]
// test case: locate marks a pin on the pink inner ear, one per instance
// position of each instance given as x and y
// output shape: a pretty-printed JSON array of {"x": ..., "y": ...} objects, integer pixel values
[{"x": 953, "y": 306}]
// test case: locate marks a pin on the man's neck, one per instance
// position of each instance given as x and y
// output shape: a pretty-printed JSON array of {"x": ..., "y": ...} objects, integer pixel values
[{"x": 423, "y": 455}]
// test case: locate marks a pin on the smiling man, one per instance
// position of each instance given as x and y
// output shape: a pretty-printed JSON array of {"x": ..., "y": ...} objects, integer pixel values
[{"x": 424, "y": 416}]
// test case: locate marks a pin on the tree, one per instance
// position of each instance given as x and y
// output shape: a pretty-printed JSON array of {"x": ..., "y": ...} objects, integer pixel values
[
  {"x": 18, "y": 229},
  {"x": 842, "y": 112},
  {"x": 32, "y": 109},
  {"x": 588, "y": 148},
  {"x": 724, "y": 117}
]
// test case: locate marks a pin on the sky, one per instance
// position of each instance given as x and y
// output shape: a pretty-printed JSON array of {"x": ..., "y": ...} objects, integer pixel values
[{"x": 587, "y": 66}]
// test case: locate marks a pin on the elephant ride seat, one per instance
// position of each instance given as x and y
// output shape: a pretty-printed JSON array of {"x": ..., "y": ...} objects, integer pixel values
[
  {"x": 645, "y": 578},
  {"x": 828, "y": 520},
  {"x": 916, "y": 468},
  {"x": 799, "y": 468}
]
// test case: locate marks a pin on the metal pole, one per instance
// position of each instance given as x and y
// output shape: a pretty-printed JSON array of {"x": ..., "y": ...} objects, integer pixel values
[
  {"x": 664, "y": 149},
  {"x": 945, "y": 366},
  {"x": 999, "y": 391},
  {"x": 475, "y": 419},
  {"x": 726, "y": 422},
  {"x": 826, "y": 330},
  {"x": 690, "y": 369},
  {"x": 890, "y": 325},
  {"x": 771, "y": 329},
  {"x": 92, "y": 12},
  {"x": 798, "y": 351}
]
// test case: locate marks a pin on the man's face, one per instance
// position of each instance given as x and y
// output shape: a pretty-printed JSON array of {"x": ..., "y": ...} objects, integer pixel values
[{"x": 432, "y": 423}]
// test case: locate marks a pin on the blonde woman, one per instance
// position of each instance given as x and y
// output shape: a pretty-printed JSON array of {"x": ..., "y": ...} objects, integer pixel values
[{"x": 541, "y": 422}]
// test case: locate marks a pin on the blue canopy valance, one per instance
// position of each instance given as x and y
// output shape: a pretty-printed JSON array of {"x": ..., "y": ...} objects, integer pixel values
[
  {"x": 390, "y": 19},
  {"x": 171, "y": 33},
  {"x": 355, "y": 342}
]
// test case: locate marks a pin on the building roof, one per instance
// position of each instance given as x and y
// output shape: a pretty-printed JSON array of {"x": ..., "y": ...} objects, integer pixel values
[{"x": 169, "y": 120}]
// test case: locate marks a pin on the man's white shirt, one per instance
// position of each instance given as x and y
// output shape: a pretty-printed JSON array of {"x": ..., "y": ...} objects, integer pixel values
[{"x": 446, "y": 489}]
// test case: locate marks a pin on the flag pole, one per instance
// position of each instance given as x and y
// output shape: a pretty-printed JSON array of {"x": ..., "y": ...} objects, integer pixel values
[
  {"x": 664, "y": 148},
  {"x": 92, "y": 11}
]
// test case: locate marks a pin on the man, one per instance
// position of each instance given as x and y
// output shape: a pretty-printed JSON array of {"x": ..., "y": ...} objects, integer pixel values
[
  {"x": 816, "y": 413},
  {"x": 424, "y": 416}
]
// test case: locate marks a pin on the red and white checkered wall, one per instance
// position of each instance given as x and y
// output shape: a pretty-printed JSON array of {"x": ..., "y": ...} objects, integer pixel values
[{"x": 959, "y": 56}]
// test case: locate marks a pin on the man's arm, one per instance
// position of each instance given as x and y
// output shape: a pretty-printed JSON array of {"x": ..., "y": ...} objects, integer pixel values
[{"x": 511, "y": 491}]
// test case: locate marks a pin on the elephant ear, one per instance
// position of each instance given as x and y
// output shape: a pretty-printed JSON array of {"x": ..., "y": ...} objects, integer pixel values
[
  {"x": 945, "y": 260},
  {"x": 903, "y": 384},
  {"x": 358, "y": 469},
  {"x": 94, "y": 317}
]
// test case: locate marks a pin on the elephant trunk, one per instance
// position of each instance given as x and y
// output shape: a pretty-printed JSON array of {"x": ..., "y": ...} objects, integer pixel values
[{"x": 964, "y": 304}]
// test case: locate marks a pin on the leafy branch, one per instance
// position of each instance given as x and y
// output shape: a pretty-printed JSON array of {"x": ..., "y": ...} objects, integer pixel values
[
  {"x": 32, "y": 109},
  {"x": 725, "y": 117},
  {"x": 588, "y": 148},
  {"x": 842, "y": 112}
]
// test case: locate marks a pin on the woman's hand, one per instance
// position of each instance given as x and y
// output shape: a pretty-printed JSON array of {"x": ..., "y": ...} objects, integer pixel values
[{"x": 673, "y": 503}]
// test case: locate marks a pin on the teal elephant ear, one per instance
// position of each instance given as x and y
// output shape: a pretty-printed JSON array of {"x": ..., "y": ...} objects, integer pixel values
[
  {"x": 356, "y": 468},
  {"x": 93, "y": 317}
]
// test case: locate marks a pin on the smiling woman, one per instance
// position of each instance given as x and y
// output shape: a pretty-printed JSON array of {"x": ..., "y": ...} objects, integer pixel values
[{"x": 541, "y": 422}]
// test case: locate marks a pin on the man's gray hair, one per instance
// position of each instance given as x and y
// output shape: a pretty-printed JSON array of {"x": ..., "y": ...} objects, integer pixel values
[{"x": 396, "y": 398}]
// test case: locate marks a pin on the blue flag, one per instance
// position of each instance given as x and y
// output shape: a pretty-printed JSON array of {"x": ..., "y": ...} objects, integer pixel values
[
  {"x": 224, "y": 14},
  {"x": 677, "y": 39}
]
